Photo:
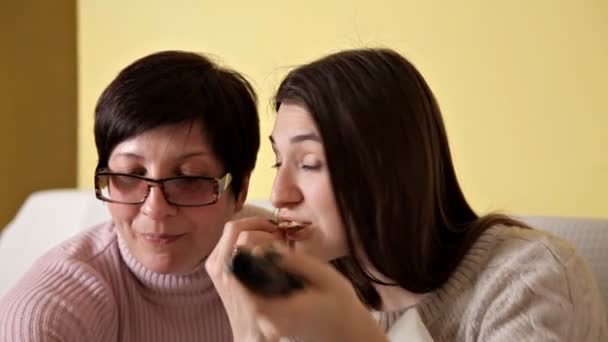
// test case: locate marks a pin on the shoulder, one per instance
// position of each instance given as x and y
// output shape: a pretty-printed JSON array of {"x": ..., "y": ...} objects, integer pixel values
[
  {"x": 511, "y": 245},
  {"x": 530, "y": 257},
  {"x": 63, "y": 295},
  {"x": 536, "y": 279},
  {"x": 88, "y": 244},
  {"x": 518, "y": 284},
  {"x": 519, "y": 255}
]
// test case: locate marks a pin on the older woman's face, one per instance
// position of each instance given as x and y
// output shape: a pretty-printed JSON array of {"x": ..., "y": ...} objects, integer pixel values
[{"x": 163, "y": 237}]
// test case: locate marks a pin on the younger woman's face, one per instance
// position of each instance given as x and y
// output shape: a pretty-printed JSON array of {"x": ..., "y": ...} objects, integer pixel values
[
  {"x": 302, "y": 188},
  {"x": 163, "y": 237}
]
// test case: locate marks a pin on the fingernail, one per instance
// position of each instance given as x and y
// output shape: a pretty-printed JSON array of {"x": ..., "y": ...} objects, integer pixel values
[
  {"x": 258, "y": 251},
  {"x": 239, "y": 249}
]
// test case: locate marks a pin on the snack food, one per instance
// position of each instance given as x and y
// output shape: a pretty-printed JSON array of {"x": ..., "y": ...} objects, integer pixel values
[{"x": 290, "y": 227}]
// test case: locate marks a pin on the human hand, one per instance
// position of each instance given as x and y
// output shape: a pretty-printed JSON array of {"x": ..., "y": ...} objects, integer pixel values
[
  {"x": 246, "y": 233},
  {"x": 325, "y": 309}
]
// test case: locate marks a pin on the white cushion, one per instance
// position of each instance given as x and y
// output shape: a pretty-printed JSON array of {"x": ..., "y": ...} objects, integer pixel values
[{"x": 45, "y": 219}]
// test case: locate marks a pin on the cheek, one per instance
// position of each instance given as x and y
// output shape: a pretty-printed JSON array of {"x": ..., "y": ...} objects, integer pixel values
[
  {"x": 325, "y": 204},
  {"x": 122, "y": 212},
  {"x": 207, "y": 228},
  {"x": 334, "y": 236},
  {"x": 207, "y": 224},
  {"x": 337, "y": 236}
]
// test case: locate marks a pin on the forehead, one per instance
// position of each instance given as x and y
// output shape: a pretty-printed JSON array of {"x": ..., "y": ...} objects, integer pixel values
[
  {"x": 167, "y": 142},
  {"x": 293, "y": 118}
]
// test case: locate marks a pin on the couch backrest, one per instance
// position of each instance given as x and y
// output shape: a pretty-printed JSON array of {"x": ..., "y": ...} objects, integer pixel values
[
  {"x": 49, "y": 217},
  {"x": 44, "y": 220}
]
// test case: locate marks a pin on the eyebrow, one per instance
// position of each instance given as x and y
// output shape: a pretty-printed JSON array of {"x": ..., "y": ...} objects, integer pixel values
[
  {"x": 300, "y": 138},
  {"x": 127, "y": 155},
  {"x": 183, "y": 157}
]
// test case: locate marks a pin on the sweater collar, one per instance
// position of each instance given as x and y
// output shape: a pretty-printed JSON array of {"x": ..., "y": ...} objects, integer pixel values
[{"x": 194, "y": 283}]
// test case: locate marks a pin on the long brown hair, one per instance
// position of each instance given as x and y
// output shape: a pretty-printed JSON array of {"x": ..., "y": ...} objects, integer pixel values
[{"x": 390, "y": 168}]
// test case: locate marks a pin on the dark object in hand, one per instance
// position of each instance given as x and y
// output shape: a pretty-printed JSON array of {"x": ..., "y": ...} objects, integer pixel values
[{"x": 260, "y": 274}]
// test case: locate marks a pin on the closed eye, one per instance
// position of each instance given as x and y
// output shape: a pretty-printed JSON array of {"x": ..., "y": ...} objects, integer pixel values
[{"x": 309, "y": 167}]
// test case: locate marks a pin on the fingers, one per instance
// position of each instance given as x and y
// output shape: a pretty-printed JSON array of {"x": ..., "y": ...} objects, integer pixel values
[
  {"x": 247, "y": 231},
  {"x": 325, "y": 289},
  {"x": 252, "y": 239}
]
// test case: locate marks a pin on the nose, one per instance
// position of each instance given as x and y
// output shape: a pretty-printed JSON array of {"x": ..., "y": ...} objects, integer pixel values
[
  {"x": 156, "y": 206},
  {"x": 285, "y": 191}
]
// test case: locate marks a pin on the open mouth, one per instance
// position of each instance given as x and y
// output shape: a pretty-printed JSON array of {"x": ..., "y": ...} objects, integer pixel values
[{"x": 290, "y": 227}]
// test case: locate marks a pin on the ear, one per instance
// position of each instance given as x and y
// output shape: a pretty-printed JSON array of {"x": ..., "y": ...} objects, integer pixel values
[{"x": 242, "y": 197}]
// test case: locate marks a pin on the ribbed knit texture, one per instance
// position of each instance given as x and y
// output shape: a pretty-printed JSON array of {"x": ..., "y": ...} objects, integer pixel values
[
  {"x": 91, "y": 288},
  {"x": 515, "y": 285}
]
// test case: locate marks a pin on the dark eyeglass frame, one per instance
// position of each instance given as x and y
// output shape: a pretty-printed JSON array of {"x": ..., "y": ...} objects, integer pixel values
[{"x": 221, "y": 184}]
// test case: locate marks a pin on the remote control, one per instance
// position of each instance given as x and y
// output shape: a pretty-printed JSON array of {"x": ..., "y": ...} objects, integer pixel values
[{"x": 260, "y": 274}]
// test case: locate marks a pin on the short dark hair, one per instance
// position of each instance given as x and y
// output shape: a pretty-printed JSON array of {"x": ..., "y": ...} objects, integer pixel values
[
  {"x": 174, "y": 87},
  {"x": 390, "y": 168}
]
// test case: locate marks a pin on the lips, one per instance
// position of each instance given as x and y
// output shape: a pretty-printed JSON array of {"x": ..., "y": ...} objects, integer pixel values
[
  {"x": 294, "y": 230},
  {"x": 290, "y": 227},
  {"x": 161, "y": 239},
  {"x": 300, "y": 234}
]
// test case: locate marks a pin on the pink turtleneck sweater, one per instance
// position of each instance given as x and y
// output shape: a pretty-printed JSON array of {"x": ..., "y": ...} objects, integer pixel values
[{"x": 90, "y": 288}]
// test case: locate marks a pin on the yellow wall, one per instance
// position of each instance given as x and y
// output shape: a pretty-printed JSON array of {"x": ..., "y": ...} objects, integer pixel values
[
  {"x": 37, "y": 99},
  {"x": 521, "y": 83}
]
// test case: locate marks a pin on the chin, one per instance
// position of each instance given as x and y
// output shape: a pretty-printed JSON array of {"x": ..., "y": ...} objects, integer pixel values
[
  {"x": 307, "y": 249},
  {"x": 163, "y": 265},
  {"x": 325, "y": 255},
  {"x": 159, "y": 267}
]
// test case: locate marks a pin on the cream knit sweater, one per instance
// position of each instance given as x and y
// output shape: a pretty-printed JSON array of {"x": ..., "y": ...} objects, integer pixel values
[{"x": 515, "y": 285}]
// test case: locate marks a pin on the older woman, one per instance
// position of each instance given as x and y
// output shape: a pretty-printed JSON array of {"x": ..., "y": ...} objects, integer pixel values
[{"x": 177, "y": 138}]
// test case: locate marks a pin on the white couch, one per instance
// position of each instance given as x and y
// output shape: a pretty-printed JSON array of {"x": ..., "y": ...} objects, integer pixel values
[{"x": 49, "y": 217}]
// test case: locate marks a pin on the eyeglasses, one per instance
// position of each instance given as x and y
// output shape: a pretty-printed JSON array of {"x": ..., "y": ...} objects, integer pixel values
[{"x": 183, "y": 191}]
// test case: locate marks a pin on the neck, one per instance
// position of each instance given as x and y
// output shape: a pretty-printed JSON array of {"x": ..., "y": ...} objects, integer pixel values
[{"x": 394, "y": 298}]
